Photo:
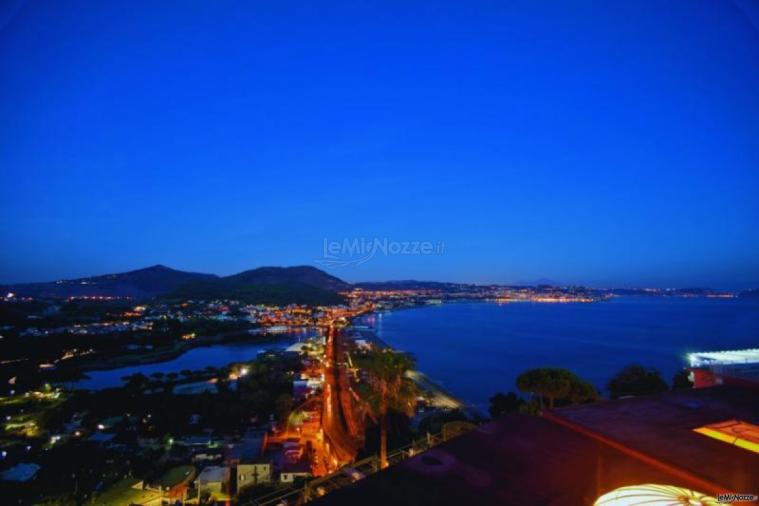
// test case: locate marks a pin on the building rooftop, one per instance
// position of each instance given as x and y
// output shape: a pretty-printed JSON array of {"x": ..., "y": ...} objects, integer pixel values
[
  {"x": 663, "y": 427},
  {"x": 574, "y": 455},
  {"x": 519, "y": 459},
  {"x": 301, "y": 466},
  {"x": 128, "y": 491},
  {"x": 246, "y": 449},
  {"x": 213, "y": 474},
  {"x": 176, "y": 476}
]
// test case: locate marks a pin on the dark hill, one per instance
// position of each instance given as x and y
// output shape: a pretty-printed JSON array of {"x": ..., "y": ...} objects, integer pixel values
[
  {"x": 141, "y": 283},
  {"x": 413, "y": 285},
  {"x": 280, "y": 294},
  {"x": 265, "y": 285},
  {"x": 301, "y": 274},
  {"x": 270, "y": 285}
]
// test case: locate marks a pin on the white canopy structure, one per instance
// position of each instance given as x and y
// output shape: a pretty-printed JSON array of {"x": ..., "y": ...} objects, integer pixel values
[{"x": 709, "y": 358}]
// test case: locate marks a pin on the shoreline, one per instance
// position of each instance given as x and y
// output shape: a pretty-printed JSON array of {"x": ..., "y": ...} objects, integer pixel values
[
  {"x": 624, "y": 330},
  {"x": 440, "y": 398},
  {"x": 77, "y": 373}
]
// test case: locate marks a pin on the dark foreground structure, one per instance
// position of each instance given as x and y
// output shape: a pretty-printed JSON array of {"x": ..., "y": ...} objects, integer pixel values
[{"x": 572, "y": 456}]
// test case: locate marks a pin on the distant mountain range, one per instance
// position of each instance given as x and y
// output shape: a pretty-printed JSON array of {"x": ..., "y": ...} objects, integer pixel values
[
  {"x": 268, "y": 285},
  {"x": 410, "y": 284},
  {"x": 140, "y": 283},
  {"x": 265, "y": 285},
  {"x": 276, "y": 285}
]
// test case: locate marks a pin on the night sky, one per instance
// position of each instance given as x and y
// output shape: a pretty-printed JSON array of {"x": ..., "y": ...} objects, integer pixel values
[{"x": 605, "y": 143}]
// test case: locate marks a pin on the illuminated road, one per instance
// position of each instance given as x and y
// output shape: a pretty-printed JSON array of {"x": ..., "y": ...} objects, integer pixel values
[{"x": 338, "y": 419}]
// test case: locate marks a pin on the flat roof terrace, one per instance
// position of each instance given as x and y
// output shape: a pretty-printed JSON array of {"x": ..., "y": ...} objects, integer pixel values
[
  {"x": 519, "y": 459},
  {"x": 662, "y": 427},
  {"x": 576, "y": 454}
]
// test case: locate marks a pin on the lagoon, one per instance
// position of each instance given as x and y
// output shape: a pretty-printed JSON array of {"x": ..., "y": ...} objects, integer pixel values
[{"x": 218, "y": 355}]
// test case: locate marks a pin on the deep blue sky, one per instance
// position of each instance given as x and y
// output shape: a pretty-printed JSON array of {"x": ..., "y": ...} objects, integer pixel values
[{"x": 607, "y": 143}]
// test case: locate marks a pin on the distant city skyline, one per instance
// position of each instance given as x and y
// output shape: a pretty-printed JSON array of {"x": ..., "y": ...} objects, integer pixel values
[
  {"x": 337, "y": 273},
  {"x": 610, "y": 145}
]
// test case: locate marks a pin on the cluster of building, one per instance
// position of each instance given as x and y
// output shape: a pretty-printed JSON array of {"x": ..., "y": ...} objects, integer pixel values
[
  {"x": 219, "y": 467},
  {"x": 392, "y": 299},
  {"x": 268, "y": 316},
  {"x": 143, "y": 318},
  {"x": 295, "y": 315},
  {"x": 98, "y": 328},
  {"x": 360, "y": 300}
]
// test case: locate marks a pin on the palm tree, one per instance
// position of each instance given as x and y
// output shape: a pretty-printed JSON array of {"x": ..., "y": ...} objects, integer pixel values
[{"x": 387, "y": 388}]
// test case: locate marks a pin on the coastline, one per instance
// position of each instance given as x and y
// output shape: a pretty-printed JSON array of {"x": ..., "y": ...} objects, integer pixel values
[
  {"x": 501, "y": 341},
  {"x": 438, "y": 396}
]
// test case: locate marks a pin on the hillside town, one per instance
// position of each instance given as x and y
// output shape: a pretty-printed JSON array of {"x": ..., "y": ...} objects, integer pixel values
[
  {"x": 252, "y": 427},
  {"x": 292, "y": 421}
]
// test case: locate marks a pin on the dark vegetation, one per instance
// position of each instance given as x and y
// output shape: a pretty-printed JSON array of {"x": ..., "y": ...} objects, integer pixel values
[
  {"x": 556, "y": 387},
  {"x": 434, "y": 422},
  {"x": 503, "y": 404},
  {"x": 87, "y": 467},
  {"x": 636, "y": 380},
  {"x": 681, "y": 380},
  {"x": 279, "y": 294},
  {"x": 23, "y": 354},
  {"x": 229, "y": 410},
  {"x": 552, "y": 387},
  {"x": 148, "y": 421}
]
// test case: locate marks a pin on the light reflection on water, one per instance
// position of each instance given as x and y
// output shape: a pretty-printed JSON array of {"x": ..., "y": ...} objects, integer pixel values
[
  {"x": 218, "y": 355},
  {"x": 477, "y": 349}
]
